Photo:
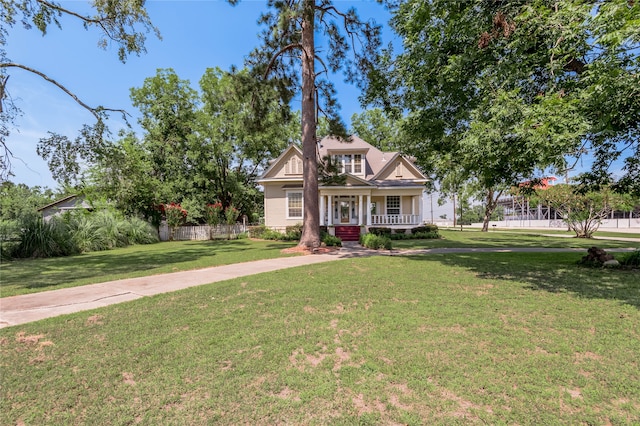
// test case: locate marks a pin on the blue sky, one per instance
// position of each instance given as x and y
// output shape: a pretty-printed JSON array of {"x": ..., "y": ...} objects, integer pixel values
[{"x": 195, "y": 35}]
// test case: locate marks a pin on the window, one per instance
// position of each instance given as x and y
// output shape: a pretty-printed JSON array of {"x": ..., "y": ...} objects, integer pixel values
[
  {"x": 346, "y": 163},
  {"x": 393, "y": 204},
  {"x": 349, "y": 163},
  {"x": 294, "y": 205},
  {"x": 357, "y": 164}
]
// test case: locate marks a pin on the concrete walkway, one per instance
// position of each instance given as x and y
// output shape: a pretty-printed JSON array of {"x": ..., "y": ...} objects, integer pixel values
[{"x": 27, "y": 308}]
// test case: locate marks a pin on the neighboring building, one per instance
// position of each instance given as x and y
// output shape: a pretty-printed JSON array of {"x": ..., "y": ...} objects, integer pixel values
[
  {"x": 71, "y": 202},
  {"x": 382, "y": 189}
]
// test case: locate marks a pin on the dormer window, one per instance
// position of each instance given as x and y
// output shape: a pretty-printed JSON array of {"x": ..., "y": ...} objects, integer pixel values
[{"x": 350, "y": 163}]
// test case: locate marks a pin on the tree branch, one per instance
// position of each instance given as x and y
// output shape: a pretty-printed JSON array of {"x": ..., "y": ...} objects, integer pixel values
[
  {"x": 94, "y": 111},
  {"x": 70, "y": 12},
  {"x": 286, "y": 48}
]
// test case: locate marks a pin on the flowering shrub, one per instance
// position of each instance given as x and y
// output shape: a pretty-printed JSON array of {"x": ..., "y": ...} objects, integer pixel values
[
  {"x": 176, "y": 216},
  {"x": 231, "y": 215},
  {"x": 212, "y": 213}
]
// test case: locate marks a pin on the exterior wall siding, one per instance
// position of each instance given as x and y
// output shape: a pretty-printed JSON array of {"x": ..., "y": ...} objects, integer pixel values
[{"x": 275, "y": 207}]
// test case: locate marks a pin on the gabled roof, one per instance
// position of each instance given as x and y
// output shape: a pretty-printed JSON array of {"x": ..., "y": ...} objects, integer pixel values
[
  {"x": 60, "y": 201},
  {"x": 378, "y": 163},
  {"x": 392, "y": 162},
  {"x": 275, "y": 164}
]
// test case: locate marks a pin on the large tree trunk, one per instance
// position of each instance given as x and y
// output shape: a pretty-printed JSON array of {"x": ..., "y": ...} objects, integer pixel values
[{"x": 311, "y": 224}]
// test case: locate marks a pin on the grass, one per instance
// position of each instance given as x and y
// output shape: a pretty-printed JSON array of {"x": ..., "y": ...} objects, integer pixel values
[
  {"x": 476, "y": 239},
  {"x": 567, "y": 233},
  {"x": 509, "y": 338},
  {"x": 30, "y": 276}
]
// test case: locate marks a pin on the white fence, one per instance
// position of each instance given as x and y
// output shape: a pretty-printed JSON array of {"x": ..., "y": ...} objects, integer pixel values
[
  {"x": 201, "y": 232},
  {"x": 629, "y": 223}
]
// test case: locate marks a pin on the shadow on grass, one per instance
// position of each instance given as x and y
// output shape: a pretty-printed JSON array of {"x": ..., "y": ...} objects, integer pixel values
[
  {"x": 131, "y": 261},
  {"x": 552, "y": 272},
  {"x": 475, "y": 239}
]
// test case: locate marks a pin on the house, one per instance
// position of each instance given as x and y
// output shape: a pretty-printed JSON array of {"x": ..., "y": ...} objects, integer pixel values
[
  {"x": 380, "y": 189},
  {"x": 71, "y": 202}
]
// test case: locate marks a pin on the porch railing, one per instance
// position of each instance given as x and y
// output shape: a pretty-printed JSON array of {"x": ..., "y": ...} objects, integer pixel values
[{"x": 395, "y": 219}]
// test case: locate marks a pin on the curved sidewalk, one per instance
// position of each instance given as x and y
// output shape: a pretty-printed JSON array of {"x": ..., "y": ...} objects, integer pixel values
[{"x": 27, "y": 308}]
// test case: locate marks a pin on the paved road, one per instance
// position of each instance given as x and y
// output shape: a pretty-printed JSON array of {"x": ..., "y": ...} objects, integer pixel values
[{"x": 22, "y": 309}]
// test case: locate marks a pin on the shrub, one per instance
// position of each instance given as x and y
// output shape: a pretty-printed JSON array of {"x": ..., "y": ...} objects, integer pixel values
[
  {"x": 9, "y": 235},
  {"x": 44, "y": 239},
  {"x": 631, "y": 259},
  {"x": 375, "y": 242},
  {"x": 175, "y": 214},
  {"x": 263, "y": 233},
  {"x": 400, "y": 236},
  {"x": 212, "y": 213},
  {"x": 427, "y": 235},
  {"x": 140, "y": 231},
  {"x": 258, "y": 231},
  {"x": 380, "y": 231},
  {"x": 430, "y": 227},
  {"x": 294, "y": 232},
  {"x": 331, "y": 240}
]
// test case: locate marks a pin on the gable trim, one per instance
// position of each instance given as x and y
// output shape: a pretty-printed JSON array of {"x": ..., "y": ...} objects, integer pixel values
[
  {"x": 281, "y": 157},
  {"x": 406, "y": 163}
]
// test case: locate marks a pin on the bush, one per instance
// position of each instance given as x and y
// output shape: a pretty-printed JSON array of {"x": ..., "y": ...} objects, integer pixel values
[
  {"x": 9, "y": 237},
  {"x": 426, "y": 235},
  {"x": 44, "y": 239},
  {"x": 631, "y": 259},
  {"x": 380, "y": 231},
  {"x": 140, "y": 231},
  {"x": 401, "y": 236},
  {"x": 425, "y": 228},
  {"x": 263, "y": 233},
  {"x": 331, "y": 240},
  {"x": 294, "y": 231},
  {"x": 258, "y": 231},
  {"x": 375, "y": 242}
]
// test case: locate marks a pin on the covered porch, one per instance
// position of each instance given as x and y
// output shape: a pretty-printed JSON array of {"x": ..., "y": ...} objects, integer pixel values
[{"x": 350, "y": 207}]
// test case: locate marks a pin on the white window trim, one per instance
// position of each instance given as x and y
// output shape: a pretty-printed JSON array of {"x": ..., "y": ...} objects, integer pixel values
[
  {"x": 286, "y": 201},
  {"x": 339, "y": 159},
  {"x": 386, "y": 204}
]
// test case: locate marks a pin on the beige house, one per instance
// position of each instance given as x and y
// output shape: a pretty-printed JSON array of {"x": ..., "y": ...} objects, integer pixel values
[{"x": 382, "y": 189}]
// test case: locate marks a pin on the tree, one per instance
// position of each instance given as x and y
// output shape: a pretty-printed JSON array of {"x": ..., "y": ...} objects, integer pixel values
[
  {"x": 19, "y": 201},
  {"x": 583, "y": 210},
  {"x": 289, "y": 44},
  {"x": 198, "y": 146},
  {"x": 379, "y": 129},
  {"x": 124, "y": 23},
  {"x": 508, "y": 89}
]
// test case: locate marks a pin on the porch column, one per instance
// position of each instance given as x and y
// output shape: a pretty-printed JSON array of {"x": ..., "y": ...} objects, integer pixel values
[
  {"x": 322, "y": 210},
  {"x": 369, "y": 210},
  {"x": 330, "y": 215},
  {"x": 360, "y": 209},
  {"x": 420, "y": 208}
]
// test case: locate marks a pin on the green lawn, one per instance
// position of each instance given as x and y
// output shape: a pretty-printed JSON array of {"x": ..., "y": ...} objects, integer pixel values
[
  {"x": 608, "y": 233},
  {"x": 30, "y": 276},
  {"x": 492, "y": 239},
  {"x": 508, "y": 338}
]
